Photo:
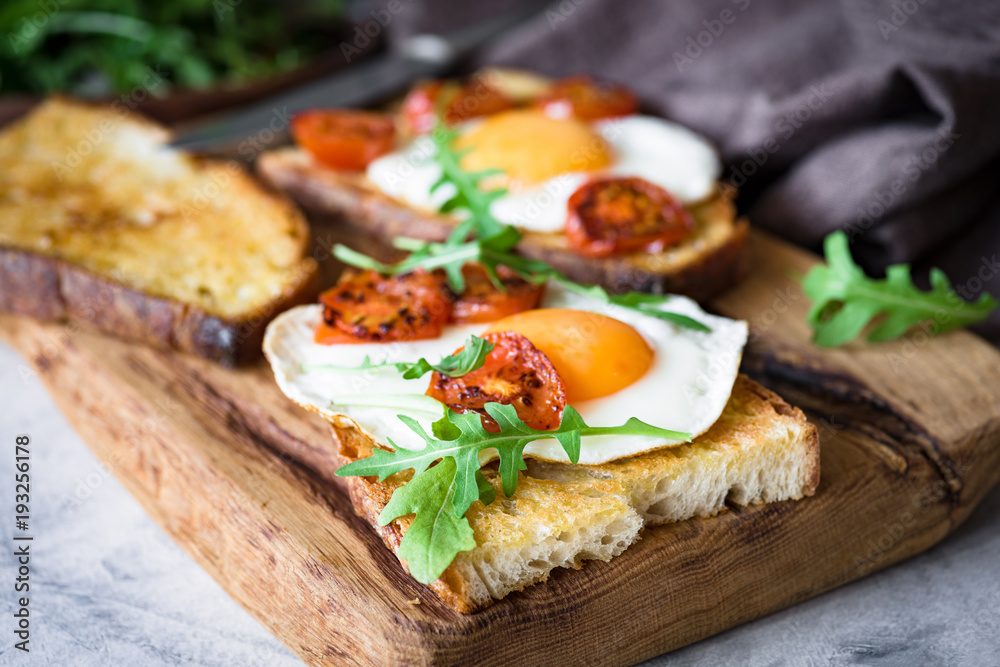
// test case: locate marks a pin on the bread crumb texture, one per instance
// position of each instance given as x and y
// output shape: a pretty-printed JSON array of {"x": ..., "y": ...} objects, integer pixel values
[
  {"x": 98, "y": 186},
  {"x": 760, "y": 450}
]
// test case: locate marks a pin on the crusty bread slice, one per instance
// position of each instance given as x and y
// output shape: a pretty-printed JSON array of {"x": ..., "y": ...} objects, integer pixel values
[
  {"x": 102, "y": 224},
  {"x": 706, "y": 263},
  {"x": 760, "y": 450}
]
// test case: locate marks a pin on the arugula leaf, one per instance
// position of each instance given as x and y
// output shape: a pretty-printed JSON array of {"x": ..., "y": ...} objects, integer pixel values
[
  {"x": 494, "y": 252},
  {"x": 469, "y": 438},
  {"x": 468, "y": 193},
  {"x": 437, "y": 534},
  {"x": 647, "y": 304},
  {"x": 487, "y": 494},
  {"x": 845, "y": 300},
  {"x": 492, "y": 242},
  {"x": 468, "y": 359}
]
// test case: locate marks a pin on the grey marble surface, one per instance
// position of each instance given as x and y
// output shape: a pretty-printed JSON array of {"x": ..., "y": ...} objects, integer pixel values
[{"x": 108, "y": 587}]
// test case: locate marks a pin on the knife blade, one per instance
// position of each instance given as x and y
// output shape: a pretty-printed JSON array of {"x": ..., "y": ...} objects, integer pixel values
[{"x": 265, "y": 123}]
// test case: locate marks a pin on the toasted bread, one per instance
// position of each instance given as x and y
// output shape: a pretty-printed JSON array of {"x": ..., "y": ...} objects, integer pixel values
[
  {"x": 706, "y": 263},
  {"x": 760, "y": 450},
  {"x": 103, "y": 225}
]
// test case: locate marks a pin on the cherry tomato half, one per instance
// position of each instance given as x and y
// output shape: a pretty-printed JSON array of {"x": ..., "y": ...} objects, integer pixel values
[
  {"x": 583, "y": 98},
  {"x": 370, "y": 307},
  {"x": 515, "y": 373},
  {"x": 455, "y": 102},
  {"x": 483, "y": 302},
  {"x": 616, "y": 215},
  {"x": 344, "y": 139}
]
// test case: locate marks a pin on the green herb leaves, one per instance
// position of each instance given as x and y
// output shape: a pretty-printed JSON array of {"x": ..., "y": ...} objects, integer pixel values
[
  {"x": 468, "y": 193},
  {"x": 447, "y": 478},
  {"x": 492, "y": 244},
  {"x": 459, "y": 438},
  {"x": 845, "y": 300},
  {"x": 494, "y": 252},
  {"x": 647, "y": 304},
  {"x": 85, "y": 46},
  {"x": 469, "y": 358},
  {"x": 437, "y": 534}
]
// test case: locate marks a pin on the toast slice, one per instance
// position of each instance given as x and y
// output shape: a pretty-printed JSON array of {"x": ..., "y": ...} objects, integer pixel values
[
  {"x": 706, "y": 263},
  {"x": 103, "y": 225},
  {"x": 760, "y": 450}
]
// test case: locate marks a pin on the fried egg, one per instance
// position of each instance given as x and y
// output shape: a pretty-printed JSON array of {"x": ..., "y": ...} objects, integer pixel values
[
  {"x": 616, "y": 363},
  {"x": 546, "y": 159}
]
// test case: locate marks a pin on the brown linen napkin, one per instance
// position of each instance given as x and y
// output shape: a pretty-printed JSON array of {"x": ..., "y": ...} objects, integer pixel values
[{"x": 879, "y": 118}]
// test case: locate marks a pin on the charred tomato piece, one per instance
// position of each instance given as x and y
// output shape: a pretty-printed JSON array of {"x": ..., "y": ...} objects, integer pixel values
[
  {"x": 582, "y": 97},
  {"x": 455, "y": 102},
  {"x": 618, "y": 215},
  {"x": 514, "y": 373},
  {"x": 369, "y": 307},
  {"x": 482, "y": 301}
]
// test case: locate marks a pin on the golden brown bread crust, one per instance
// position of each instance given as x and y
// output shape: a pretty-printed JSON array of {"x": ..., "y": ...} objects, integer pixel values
[
  {"x": 49, "y": 288},
  {"x": 103, "y": 226},
  {"x": 702, "y": 278},
  {"x": 708, "y": 264},
  {"x": 369, "y": 497},
  {"x": 750, "y": 417}
]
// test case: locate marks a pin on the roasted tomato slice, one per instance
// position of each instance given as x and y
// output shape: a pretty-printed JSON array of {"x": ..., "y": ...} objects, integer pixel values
[
  {"x": 616, "y": 215},
  {"x": 456, "y": 102},
  {"x": 515, "y": 373},
  {"x": 583, "y": 98},
  {"x": 483, "y": 302},
  {"x": 369, "y": 307},
  {"x": 344, "y": 139},
  {"x": 327, "y": 334}
]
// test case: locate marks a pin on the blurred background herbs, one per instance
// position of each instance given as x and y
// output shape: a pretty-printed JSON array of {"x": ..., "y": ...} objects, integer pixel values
[{"x": 94, "y": 48}]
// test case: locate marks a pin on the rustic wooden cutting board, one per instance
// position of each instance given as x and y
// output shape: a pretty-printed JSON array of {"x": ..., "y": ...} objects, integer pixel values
[{"x": 242, "y": 479}]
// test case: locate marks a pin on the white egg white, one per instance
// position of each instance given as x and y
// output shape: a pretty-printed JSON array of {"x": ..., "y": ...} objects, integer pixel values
[
  {"x": 667, "y": 154},
  {"x": 686, "y": 388}
]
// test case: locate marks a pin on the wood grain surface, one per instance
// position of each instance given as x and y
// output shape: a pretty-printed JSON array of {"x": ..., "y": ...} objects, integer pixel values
[{"x": 243, "y": 480}]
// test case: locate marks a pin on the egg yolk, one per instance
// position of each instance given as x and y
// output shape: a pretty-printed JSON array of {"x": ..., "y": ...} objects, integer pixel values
[
  {"x": 595, "y": 355},
  {"x": 530, "y": 147}
]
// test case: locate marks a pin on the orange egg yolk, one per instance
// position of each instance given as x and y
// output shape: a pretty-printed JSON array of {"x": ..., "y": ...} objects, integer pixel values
[
  {"x": 530, "y": 147},
  {"x": 595, "y": 355}
]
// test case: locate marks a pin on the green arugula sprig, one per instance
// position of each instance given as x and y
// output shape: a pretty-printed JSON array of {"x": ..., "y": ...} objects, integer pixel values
[
  {"x": 469, "y": 358},
  {"x": 469, "y": 195},
  {"x": 647, "y": 304},
  {"x": 845, "y": 300},
  {"x": 437, "y": 534},
  {"x": 441, "y": 501},
  {"x": 496, "y": 251},
  {"x": 446, "y": 473},
  {"x": 451, "y": 257}
]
